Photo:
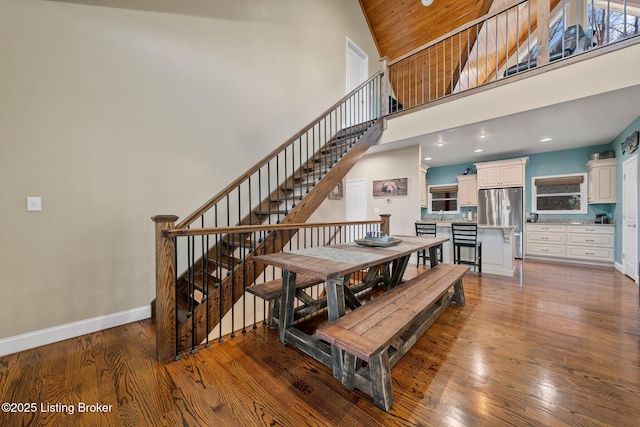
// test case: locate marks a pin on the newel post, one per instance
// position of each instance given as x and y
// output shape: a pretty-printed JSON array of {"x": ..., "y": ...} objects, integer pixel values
[
  {"x": 384, "y": 89},
  {"x": 384, "y": 227},
  {"x": 544, "y": 20},
  {"x": 165, "y": 312}
]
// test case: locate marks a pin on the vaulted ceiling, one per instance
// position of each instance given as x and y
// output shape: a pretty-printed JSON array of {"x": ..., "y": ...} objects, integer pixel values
[{"x": 400, "y": 26}]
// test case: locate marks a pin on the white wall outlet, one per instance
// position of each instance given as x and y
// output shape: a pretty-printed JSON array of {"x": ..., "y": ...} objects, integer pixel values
[
  {"x": 376, "y": 210},
  {"x": 34, "y": 204}
]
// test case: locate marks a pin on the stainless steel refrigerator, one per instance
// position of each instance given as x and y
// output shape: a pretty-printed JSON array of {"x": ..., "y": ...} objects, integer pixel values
[{"x": 503, "y": 207}]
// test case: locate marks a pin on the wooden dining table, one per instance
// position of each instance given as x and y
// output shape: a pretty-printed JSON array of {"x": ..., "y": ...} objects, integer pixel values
[{"x": 335, "y": 264}]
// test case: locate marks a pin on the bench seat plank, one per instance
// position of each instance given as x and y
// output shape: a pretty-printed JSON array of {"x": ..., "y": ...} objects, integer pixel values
[
  {"x": 380, "y": 307},
  {"x": 372, "y": 327},
  {"x": 272, "y": 289},
  {"x": 395, "y": 319}
]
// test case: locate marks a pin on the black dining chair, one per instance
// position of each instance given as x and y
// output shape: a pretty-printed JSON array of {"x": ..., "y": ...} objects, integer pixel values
[
  {"x": 427, "y": 229},
  {"x": 465, "y": 235}
]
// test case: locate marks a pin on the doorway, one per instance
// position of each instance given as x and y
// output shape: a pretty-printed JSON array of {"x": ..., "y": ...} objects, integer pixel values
[
  {"x": 630, "y": 217},
  {"x": 356, "y": 201},
  {"x": 357, "y": 73}
]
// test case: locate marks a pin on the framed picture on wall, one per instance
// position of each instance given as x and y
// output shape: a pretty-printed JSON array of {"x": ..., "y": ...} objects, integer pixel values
[
  {"x": 391, "y": 187},
  {"x": 630, "y": 144},
  {"x": 337, "y": 192}
]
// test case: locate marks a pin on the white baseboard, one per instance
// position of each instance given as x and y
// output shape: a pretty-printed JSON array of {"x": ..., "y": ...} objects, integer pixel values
[
  {"x": 618, "y": 267},
  {"x": 71, "y": 330}
]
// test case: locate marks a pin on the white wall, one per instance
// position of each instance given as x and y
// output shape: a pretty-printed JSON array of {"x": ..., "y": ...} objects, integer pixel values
[
  {"x": 116, "y": 111},
  {"x": 401, "y": 163}
]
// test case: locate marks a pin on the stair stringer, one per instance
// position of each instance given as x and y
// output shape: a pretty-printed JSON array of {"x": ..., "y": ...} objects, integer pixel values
[{"x": 232, "y": 287}]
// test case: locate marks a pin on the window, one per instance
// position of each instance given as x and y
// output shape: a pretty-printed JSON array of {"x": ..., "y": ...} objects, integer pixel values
[
  {"x": 443, "y": 199},
  {"x": 559, "y": 194}
]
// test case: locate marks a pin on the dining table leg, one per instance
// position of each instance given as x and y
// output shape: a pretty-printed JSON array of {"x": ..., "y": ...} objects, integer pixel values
[
  {"x": 285, "y": 320},
  {"x": 335, "y": 309},
  {"x": 399, "y": 267},
  {"x": 335, "y": 298},
  {"x": 433, "y": 255}
]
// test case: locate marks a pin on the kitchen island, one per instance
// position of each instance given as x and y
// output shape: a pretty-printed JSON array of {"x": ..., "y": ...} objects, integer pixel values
[{"x": 498, "y": 249}]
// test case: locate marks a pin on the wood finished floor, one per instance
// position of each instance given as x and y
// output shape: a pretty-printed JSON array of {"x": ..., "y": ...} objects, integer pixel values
[{"x": 557, "y": 345}]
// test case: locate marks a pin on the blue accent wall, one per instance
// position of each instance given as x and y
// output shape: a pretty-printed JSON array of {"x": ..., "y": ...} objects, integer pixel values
[{"x": 564, "y": 162}]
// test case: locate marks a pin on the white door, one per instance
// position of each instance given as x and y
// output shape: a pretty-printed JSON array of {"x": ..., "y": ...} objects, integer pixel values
[
  {"x": 630, "y": 217},
  {"x": 357, "y": 72},
  {"x": 356, "y": 198}
]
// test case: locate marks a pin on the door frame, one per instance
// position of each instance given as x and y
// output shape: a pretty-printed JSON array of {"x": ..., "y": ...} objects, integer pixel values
[
  {"x": 364, "y": 205},
  {"x": 352, "y": 47},
  {"x": 353, "y": 112},
  {"x": 635, "y": 263}
]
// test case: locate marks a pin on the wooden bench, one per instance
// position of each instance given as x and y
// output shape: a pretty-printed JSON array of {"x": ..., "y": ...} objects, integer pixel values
[
  {"x": 381, "y": 331},
  {"x": 272, "y": 290}
]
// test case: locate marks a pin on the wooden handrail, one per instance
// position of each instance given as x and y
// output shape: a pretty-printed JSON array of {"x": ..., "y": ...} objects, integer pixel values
[
  {"x": 176, "y": 232},
  {"x": 218, "y": 197}
]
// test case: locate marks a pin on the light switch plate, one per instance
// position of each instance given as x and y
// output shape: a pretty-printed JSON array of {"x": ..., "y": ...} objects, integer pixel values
[{"x": 34, "y": 204}]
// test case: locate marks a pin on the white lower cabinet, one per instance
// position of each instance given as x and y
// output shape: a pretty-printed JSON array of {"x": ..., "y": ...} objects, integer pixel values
[
  {"x": 554, "y": 251},
  {"x": 579, "y": 242}
]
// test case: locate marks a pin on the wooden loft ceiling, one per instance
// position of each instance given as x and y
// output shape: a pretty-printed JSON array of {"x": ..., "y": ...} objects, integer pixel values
[{"x": 400, "y": 26}]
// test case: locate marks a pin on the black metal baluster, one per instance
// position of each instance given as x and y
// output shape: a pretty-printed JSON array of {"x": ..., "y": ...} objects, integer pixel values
[
  {"x": 219, "y": 255},
  {"x": 176, "y": 296},
  {"x": 206, "y": 288},
  {"x": 192, "y": 294}
]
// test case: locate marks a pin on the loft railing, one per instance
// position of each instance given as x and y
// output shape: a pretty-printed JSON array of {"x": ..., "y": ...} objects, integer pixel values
[
  {"x": 506, "y": 42},
  {"x": 178, "y": 309}
]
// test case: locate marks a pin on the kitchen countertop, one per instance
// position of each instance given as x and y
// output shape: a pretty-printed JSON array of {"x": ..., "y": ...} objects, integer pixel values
[{"x": 589, "y": 222}]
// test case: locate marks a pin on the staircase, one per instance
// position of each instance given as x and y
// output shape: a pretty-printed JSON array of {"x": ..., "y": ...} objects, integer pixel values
[{"x": 285, "y": 188}]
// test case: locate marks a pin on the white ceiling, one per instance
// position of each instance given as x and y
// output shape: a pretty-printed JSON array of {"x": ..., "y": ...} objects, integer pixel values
[{"x": 593, "y": 120}]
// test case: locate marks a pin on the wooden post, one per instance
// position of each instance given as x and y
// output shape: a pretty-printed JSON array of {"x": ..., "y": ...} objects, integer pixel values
[
  {"x": 385, "y": 226},
  {"x": 165, "y": 312},
  {"x": 384, "y": 83},
  {"x": 542, "y": 29}
]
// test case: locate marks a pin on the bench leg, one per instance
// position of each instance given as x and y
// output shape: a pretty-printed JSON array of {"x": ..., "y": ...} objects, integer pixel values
[
  {"x": 344, "y": 366},
  {"x": 380, "y": 372},
  {"x": 274, "y": 312},
  {"x": 458, "y": 293}
]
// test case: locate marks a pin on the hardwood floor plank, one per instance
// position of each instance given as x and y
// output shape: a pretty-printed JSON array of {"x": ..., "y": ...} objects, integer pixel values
[{"x": 557, "y": 345}]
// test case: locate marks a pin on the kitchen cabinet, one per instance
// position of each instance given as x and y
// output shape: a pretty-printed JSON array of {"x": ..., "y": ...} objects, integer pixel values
[
  {"x": 424, "y": 201},
  {"x": 468, "y": 190},
  {"x": 591, "y": 243},
  {"x": 578, "y": 243},
  {"x": 602, "y": 181},
  {"x": 546, "y": 241},
  {"x": 502, "y": 173}
]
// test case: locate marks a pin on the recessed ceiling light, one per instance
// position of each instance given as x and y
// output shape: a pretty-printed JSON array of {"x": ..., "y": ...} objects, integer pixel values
[
  {"x": 482, "y": 136},
  {"x": 427, "y": 158},
  {"x": 479, "y": 150},
  {"x": 440, "y": 144},
  {"x": 545, "y": 139}
]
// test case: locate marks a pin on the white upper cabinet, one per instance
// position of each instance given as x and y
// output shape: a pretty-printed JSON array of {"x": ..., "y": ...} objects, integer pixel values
[
  {"x": 602, "y": 181},
  {"x": 502, "y": 173},
  {"x": 468, "y": 190}
]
